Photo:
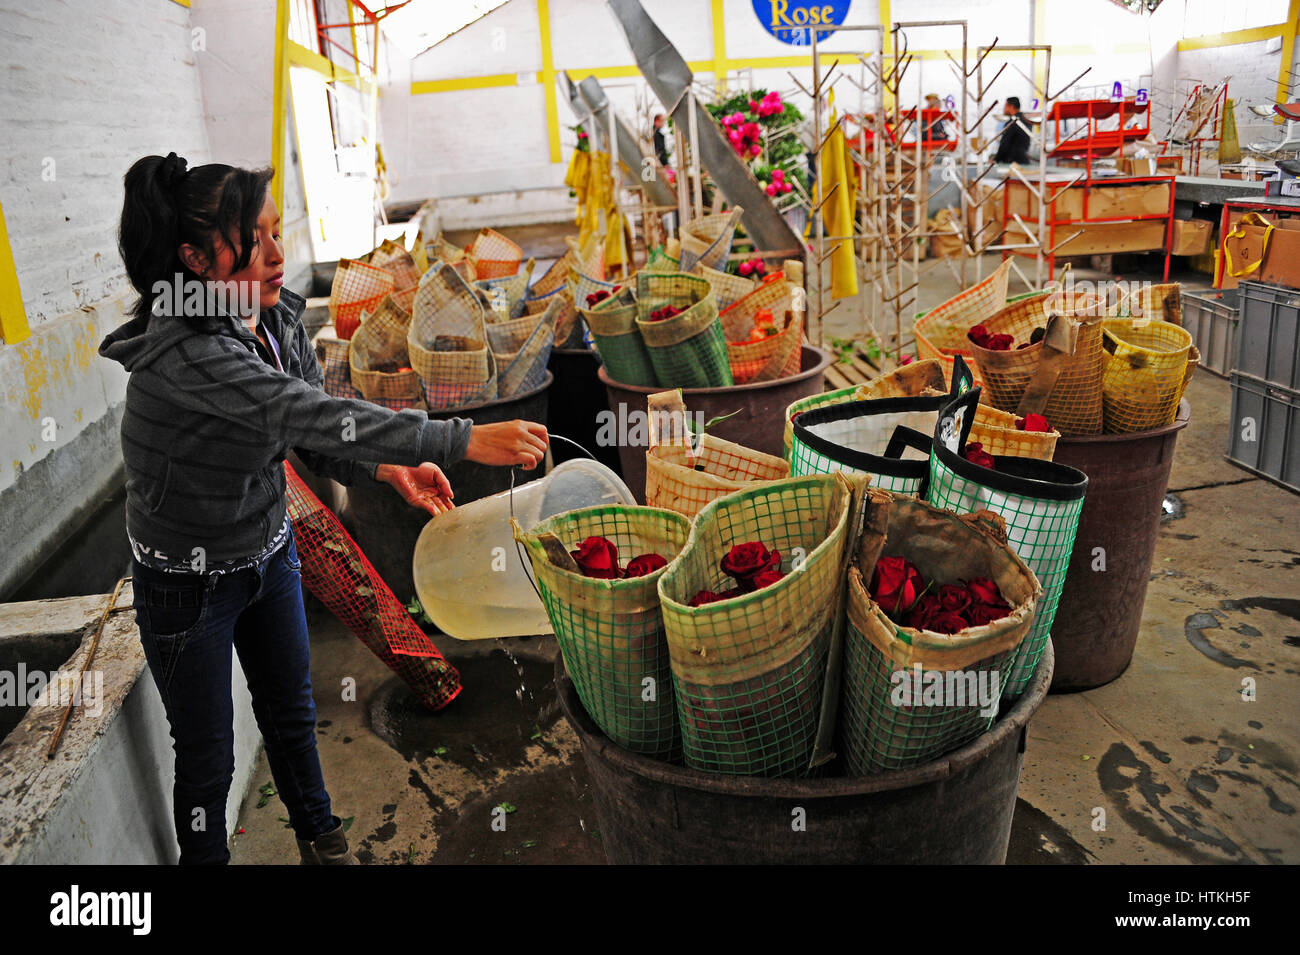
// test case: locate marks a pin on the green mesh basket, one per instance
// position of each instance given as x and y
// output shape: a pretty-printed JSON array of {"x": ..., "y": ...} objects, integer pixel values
[
  {"x": 1040, "y": 501},
  {"x": 909, "y": 695},
  {"x": 749, "y": 671},
  {"x": 869, "y": 437},
  {"x": 690, "y": 349},
  {"x": 611, "y": 632},
  {"x": 839, "y": 396},
  {"x": 618, "y": 341}
]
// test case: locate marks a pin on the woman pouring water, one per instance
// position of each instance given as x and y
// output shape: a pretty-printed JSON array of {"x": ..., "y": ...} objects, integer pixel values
[{"x": 223, "y": 385}]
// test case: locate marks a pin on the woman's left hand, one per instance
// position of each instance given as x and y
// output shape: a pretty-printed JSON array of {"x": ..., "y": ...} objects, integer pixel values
[{"x": 424, "y": 486}]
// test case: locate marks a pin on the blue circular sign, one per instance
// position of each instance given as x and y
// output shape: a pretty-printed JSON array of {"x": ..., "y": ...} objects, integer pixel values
[{"x": 792, "y": 21}]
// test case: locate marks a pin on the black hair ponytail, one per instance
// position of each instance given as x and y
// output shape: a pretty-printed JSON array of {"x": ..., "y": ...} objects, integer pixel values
[{"x": 167, "y": 205}]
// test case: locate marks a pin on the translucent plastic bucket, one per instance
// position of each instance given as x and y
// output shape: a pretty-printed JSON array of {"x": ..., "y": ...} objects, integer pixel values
[{"x": 467, "y": 570}]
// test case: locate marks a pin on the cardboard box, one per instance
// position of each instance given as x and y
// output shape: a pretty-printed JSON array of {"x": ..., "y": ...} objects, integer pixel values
[
  {"x": 1139, "y": 167},
  {"x": 1281, "y": 256},
  {"x": 1103, "y": 202},
  {"x": 1191, "y": 237},
  {"x": 1099, "y": 238}
]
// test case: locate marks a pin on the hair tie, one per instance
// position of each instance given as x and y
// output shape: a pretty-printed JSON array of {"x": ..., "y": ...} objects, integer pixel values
[{"x": 172, "y": 169}]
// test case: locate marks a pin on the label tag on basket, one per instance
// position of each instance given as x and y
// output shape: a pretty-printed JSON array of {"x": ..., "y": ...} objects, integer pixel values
[
  {"x": 667, "y": 419},
  {"x": 955, "y": 421}
]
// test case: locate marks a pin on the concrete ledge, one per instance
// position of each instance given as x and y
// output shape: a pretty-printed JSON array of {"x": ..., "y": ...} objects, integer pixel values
[{"x": 105, "y": 798}]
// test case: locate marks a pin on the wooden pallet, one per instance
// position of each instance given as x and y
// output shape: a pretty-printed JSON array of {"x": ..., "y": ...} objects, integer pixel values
[{"x": 857, "y": 371}]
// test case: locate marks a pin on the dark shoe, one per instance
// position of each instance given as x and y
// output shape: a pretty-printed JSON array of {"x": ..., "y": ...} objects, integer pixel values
[{"x": 332, "y": 848}]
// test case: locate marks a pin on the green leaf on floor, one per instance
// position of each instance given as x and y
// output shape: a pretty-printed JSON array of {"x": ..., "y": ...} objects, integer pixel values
[
  {"x": 529, "y": 843},
  {"x": 267, "y": 791},
  {"x": 537, "y": 732},
  {"x": 507, "y": 807},
  {"x": 347, "y": 823},
  {"x": 410, "y": 854},
  {"x": 440, "y": 751}
]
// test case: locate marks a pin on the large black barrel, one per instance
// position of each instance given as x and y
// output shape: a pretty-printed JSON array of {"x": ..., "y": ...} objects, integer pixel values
[
  {"x": 1100, "y": 613},
  {"x": 956, "y": 809}
]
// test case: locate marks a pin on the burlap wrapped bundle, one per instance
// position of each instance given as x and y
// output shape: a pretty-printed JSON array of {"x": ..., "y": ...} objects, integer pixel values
[
  {"x": 617, "y": 339},
  {"x": 611, "y": 632},
  {"x": 495, "y": 256},
  {"x": 1058, "y": 376},
  {"x": 592, "y": 262},
  {"x": 941, "y": 332},
  {"x": 688, "y": 350},
  {"x": 356, "y": 287},
  {"x": 775, "y": 356},
  {"x": 707, "y": 240},
  {"x": 886, "y": 721},
  {"x": 523, "y": 366},
  {"x": 749, "y": 671},
  {"x": 379, "y": 360},
  {"x": 393, "y": 257},
  {"x": 727, "y": 288},
  {"x": 447, "y": 342}
]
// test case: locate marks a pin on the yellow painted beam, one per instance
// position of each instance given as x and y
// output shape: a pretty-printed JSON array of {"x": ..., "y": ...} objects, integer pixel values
[
  {"x": 1288, "y": 53},
  {"x": 886, "y": 44},
  {"x": 13, "y": 315},
  {"x": 548, "y": 79},
  {"x": 719, "y": 47},
  {"x": 298, "y": 55},
  {"x": 464, "y": 83},
  {"x": 183, "y": 3},
  {"x": 1254, "y": 35},
  {"x": 279, "y": 101},
  {"x": 1040, "y": 39}
]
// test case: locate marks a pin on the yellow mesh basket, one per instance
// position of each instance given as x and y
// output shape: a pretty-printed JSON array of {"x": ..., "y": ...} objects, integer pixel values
[
  {"x": 684, "y": 481},
  {"x": 1145, "y": 368}
]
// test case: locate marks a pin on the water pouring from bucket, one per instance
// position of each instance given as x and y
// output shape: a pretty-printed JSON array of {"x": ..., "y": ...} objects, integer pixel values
[{"x": 468, "y": 573}]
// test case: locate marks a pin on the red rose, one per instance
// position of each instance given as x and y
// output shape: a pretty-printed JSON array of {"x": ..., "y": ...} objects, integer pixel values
[
  {"x": 745, "y": 560},
  {"x": 704, "y": 597},
  {"x": 1033, "y": 422},
  {"x": 661, "y": 314},
  {"x": 1001, "y": 342},
  {"x": 945, "y": 621},
  {"x": 895, "y": 584},
  {"x": 984, "y": 591},
  {"x": 597, "y": 557},
  {"x": 954, "y": 597},
  {"x": 709, "y": 596},
  {"x": 980, "y": 614},
  {"x": 923, "y": 611},
  {"x": 643, "y": 565},
  {"x": 597, "y": 297},
  {"x": 979, "y": 335},
  {"x": 765, "y": 577},
  {"x": 976, "y": 454}
]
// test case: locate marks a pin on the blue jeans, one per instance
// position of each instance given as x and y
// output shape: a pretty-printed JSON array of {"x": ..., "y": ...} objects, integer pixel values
[{"x": 188, "y": 625}]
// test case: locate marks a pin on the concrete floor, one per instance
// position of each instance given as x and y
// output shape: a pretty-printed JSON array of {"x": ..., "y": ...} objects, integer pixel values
[{"x": 1166, "y": 764}]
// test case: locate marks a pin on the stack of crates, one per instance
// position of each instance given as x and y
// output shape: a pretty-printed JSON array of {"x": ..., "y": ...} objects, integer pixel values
[
  {"x": 1211, "y": 318},
  {"x": 1264, "y": 431}
]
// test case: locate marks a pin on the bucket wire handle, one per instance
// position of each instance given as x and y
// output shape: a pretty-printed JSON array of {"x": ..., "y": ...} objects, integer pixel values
[{"x": 523, "y": 558}]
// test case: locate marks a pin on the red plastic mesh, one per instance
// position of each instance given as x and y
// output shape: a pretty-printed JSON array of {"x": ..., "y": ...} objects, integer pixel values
[{"x": 338, "y": 574}]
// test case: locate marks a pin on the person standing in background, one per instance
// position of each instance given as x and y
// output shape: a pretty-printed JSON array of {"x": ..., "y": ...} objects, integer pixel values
[
  {"x": 661, "y": 140},
  {"x": 1014, "y": 145}
]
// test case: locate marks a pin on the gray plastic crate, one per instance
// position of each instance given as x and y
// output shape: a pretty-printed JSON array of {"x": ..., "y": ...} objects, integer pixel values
[
  {"x": 1211, "y": 319},
  {"x": 1264, "y": 430},
  {"x": 1268, "y": 334}
]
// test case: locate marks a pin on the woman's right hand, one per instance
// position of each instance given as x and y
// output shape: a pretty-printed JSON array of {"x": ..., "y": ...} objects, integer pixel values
[{"x": 508, "y": 443}]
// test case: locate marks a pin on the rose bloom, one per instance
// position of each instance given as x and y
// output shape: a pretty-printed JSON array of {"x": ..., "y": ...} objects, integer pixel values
[
  {"x": 643, "y": 565},
  {"x": 894, "y": 584},
  {"x": 597, "y": 557}
]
